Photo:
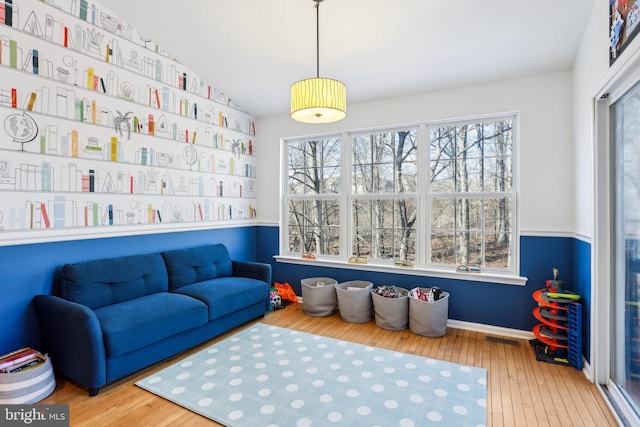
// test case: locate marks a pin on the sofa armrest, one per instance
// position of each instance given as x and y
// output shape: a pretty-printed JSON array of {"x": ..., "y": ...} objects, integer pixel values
[
  {"x": 73, "y": 338},
  {"x": 252, "y": 270}
]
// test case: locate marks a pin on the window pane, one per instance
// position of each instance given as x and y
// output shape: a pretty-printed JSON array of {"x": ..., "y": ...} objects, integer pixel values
[
  {"x": 498, "y": 250},
  {"x": 497, "y": 174},
  {"x": 469, "y": 248},
  {"x": 314, "y": 226},
  {"x": 405, "y": 245},
  {"x": 361, "y": 213},
  {"x": 442, "y": 249},
  {"x": 497, "y": 213},
  {"x": 442, "y": 176},
  {"x": 498, "y": 138},
  {"x": 407, "y": 179},
  {"x": 468, "y": 214},
  {"x": 383, "y": 177},
  {"x": 362, "y": 242},
  {"x": 296, "y": 181},
  {"x": 442, "y": 214},
  {"x": 362, "y": 182},
  {"x": 468, "y": 175}
]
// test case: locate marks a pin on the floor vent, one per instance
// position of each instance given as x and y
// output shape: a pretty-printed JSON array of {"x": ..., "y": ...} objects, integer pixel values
[{"x": 502, "y": 340}]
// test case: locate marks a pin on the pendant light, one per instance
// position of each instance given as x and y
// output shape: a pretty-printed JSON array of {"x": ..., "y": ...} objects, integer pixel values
[{"x": 318, "y": 100}]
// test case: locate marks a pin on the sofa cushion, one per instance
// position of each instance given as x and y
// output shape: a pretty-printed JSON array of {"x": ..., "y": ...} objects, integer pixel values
[
  {"x": 189, "y": 266},
  {"x": 104, "y": 282},
  {"x": 133, "y": 324},
  {"x": 227, "y": 294}
]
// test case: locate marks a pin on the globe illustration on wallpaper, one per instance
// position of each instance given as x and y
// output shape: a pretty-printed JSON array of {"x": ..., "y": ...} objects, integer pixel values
[{"x": 21, "y": 127}]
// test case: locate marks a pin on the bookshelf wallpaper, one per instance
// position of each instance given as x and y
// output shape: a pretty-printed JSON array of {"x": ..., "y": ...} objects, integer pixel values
[{"x": 102, "y": 131}]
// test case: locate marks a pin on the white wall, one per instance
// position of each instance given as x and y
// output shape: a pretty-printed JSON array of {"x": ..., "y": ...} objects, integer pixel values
[{"x": 546, "y": 149}]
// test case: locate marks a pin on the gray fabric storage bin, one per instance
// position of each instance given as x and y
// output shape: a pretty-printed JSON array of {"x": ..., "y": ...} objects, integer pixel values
[
  {"x": 429, "y": 319},
  {"x": 319, "y": 296},
  {"x": 355, "y": 305},
  {"x": 391, "y": 313}
]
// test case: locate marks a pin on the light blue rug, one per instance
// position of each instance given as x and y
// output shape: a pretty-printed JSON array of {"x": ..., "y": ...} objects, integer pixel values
[{"x": 272, "y": 376}]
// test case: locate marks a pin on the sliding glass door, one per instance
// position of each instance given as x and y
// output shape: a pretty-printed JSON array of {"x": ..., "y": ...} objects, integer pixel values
[{"x": 624, "y": 370}]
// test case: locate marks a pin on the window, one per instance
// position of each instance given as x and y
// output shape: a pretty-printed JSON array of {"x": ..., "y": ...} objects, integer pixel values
[
  {"x": 471, "y": 195},
  {"x": 384, "y": 197},
  {"x": 437, "y": 195}
]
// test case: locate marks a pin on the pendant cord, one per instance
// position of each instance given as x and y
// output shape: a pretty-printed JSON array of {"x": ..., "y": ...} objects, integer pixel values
[{"x": 318, "y": 39}]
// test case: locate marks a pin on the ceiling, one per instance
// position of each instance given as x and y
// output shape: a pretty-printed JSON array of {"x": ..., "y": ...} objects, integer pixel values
[{"x": 253, "y": 50}]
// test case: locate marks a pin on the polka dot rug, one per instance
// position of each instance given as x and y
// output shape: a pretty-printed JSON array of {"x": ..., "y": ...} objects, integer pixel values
[{"x": 271, "y": 376}]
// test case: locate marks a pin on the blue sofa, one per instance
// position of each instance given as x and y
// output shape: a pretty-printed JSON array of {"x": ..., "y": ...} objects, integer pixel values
[{"x": 112, "y": 317}]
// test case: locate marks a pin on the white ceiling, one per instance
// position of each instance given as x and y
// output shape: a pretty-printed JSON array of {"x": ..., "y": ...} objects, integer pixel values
[{"x": 253, "y": 50}]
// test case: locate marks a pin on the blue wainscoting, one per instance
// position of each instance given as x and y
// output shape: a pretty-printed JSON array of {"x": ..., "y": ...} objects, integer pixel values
[
  {"x": 28, "y": 270},
  {"x": 500, "y": 305}
]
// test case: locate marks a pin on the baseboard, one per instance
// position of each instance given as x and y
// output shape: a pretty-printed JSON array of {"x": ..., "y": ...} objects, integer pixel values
[{"x": 490, "y": 329}]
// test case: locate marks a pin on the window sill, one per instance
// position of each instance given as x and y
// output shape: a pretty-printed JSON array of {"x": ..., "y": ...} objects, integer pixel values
[{"x": 415, "y": 271}]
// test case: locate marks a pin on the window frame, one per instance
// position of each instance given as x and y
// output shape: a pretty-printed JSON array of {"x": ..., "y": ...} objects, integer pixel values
[{"x": 423, "y": 266}]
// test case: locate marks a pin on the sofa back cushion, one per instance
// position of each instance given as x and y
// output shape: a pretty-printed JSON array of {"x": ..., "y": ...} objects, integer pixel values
[
  {"x": 193, "y": 265},
  {"x": 109, "y": 281}
]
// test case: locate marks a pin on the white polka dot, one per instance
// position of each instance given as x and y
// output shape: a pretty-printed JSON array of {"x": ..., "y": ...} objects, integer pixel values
[
  {"x": 235, "y": 358},
  {"x": 482, "y": 381},
  {"x": 186, "y": 364},
  {"x": 235, "y": 381},
  {"x": 235, "y": 348},
  {"x": 207, "y": 386},
  {"x": 317, "y": 383},
  {"x": 154, "y": 380},
  {"x": 256, "y": 345},
  {"x": 357, "y": 362},
  {"x": 352, "y": 392},
  {"x": 235, "y": 415},
  {"x": 235, "y": 369},
  {"x": 260, "y": 365},
  {"x": 342, "y": 343},
  {"x": 460, "y": 410},
  {"x": 465, "y": 369},
  {"x": 343, "y": 379},
  {"x": 307, "y": 359},
  {"x": 398, "y": 355},
  {"x": 178, "y": 390},
  {"x": 416, "y": 398},
  {"x": 378, "y": 359},
  {"x": 275, "y": 334},
  {"x": 303, "y": 422},
  {"x": 205, "y": 402},
  {"x": 390, "y": 404},
  {"x": 434, "y": 416},
  {"x": 482, "y": 403},
  {"x": 209, "y": 372},
  {"x": 430, "y": 361},
  {"x": 234, "y": 339},
  {"x": 262, "y": 378},
  {"x": 366, "y": 374},
  {"x": 292, "y": 387},
  {"x": 287, "y": 374},
  {"x": 463, "y": 387},
  {"x": 312, "y": 370},
  {"x": 326, "y": 398},
  {"x": 445, "y": 374},
  {"x": 349, "y": 352},
  {"x": 424, "y": 378},
  {"x": 363, "y": 410},
  {"x": 405, "y": 422},
  {"x": 283, "y": 362},
  {"x": 277, "y": 343},
  {"x": 328, "y": 355},
  {"x": 301, "y": 348},
  {"x": 297, "y": 404},
  {"x": 389, "y": 370},
  {"x": 322, "y": 346},
  {"x": 378, "y": 388},
  {"x": 281, "y": 352},
  {"x": 212, "y": 350},
  {"x": 334, "y": 417},
  {"x": 211, "y": 361},
  {"x": 316, "y": 338},
  {"x": 402, "y": 383},
  {"x": 369, "y": 349},
  {"x": 297, "y": 340},
  {"x": 255, "y": 337},
  {"x": 440, "y": 392},
  {"x": 267, "y": 409},
  {"x": 264, "y": 392},
  {"x": 235, "y": 397},
  {"x": 410, "y": 365},
  {"x": 335, "y": 366},
  {"x": 258, "y": 355}
]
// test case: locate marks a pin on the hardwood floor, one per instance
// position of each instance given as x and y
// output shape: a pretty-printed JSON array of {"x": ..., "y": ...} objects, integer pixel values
[{"x": 520, "y": 390}]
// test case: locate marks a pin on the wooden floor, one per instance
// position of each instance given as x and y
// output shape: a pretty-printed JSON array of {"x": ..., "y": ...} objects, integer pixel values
[{"x": 520, "y": 390}]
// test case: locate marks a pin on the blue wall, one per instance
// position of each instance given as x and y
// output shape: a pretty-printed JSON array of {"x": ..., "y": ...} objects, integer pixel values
[
  {"x": 28, "y": 270},
  {"x": 478, "y": 302}
]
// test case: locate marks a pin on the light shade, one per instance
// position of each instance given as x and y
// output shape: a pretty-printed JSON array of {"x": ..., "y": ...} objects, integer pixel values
[{"x": 318, "y": 100}]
